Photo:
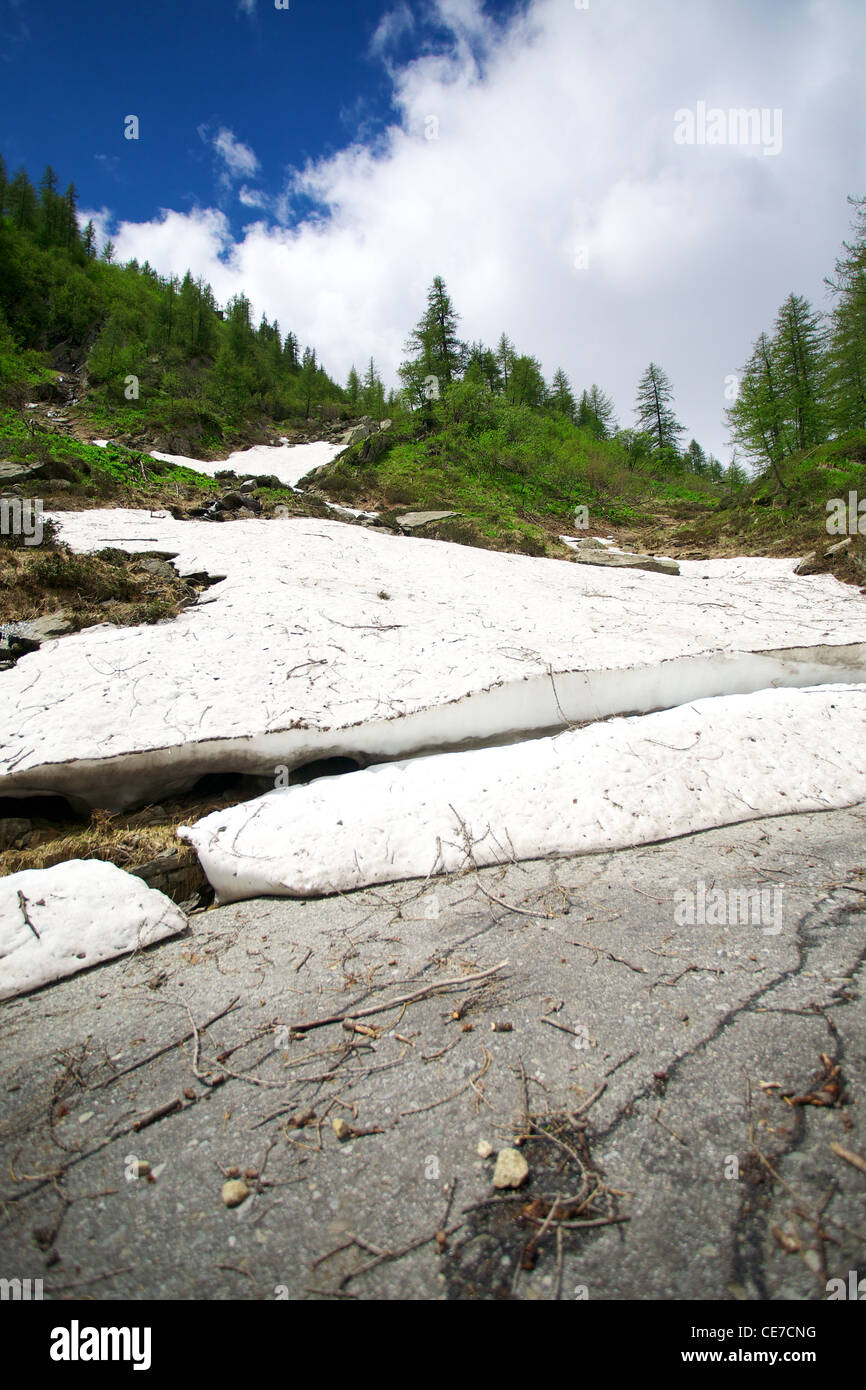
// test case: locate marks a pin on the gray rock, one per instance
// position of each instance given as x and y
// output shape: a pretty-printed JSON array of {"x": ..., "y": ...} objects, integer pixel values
[
  {"x": 18, "y": 472},
  {"x": 808, "y": 564},
  {"x": 231, "y": 501},
  {"x": 410, "y": 521},
  {"x": 385, "y": 425},
  {"x": 248, "y": 485},
  {"x": 151, "y": 565},
  {"x": 365, "y": 427},
  {"x": 625, "y": 561},
  {"x": 43, "y": 629}
]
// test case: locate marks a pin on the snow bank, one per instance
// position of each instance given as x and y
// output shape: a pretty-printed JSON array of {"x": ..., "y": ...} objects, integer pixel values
[
  {"x": 55, "y": 922},
  {"x": 624, "y": 782},
  {"x": 325, "y": 639},
  {"x": 287, "y": 462}
]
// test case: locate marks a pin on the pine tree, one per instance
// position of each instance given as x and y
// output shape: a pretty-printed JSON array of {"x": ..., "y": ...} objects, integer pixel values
[
  {"x": 561, "y": 397},
  {"x": 308, "y": 379},
  {"x": 800, "y": 343},
  {"x": 290, "y": 354},
  {"x": 505, "y": 355},
  {"x": 437, "y": 349},
  {"x": 353, "y": 386},
  {"x": 373, "y": 392},
  {"x": 695, "y": 459},
  {"x": 757, "y": 419},
  {"x": 483, "y": 368},
  {"x": 596, "y": 413},
  {"x": 22, "y": 203},
  {"x": 846, "y": 377},
  {"x": 526, "y": 384},
  {"x": 654, "y": 411},
  {"x": 69, "y": 233}
]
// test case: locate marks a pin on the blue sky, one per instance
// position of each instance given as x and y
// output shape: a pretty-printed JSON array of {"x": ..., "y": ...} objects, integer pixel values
[
  {"x": 290, "y": 85},
  {"x": 331, "y": 158}
]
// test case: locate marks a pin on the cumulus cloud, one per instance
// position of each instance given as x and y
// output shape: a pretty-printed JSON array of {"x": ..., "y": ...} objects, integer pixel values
[{"x": 534, "y": 167}]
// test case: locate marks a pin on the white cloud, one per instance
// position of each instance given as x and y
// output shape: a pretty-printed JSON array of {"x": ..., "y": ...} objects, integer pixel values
[
  {"x": 239, "y": 159},
  {"x": 392, "y": 27},
  {"x": 252, "y": 197},
  {"x": 556, "y": 132}
]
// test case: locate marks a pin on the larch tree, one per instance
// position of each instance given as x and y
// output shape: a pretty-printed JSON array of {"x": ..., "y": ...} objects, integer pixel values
[{"x": 655, "y": 413}]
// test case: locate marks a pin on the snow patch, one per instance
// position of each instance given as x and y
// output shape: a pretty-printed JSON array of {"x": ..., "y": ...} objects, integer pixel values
[
  {"x": 625, "y": 782},
  {"x": 294, "y": 656},
  {"x": 287, "y": 462},
  {"x": 55, "y": 922}
]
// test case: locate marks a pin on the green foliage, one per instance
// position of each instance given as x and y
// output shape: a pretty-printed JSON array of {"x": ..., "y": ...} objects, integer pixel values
[
  {"x": 846, "y": 357},
  {"x": 160, "y": 354}
]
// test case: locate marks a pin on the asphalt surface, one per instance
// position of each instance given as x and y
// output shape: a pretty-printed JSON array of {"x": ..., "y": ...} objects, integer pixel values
[{"x": 663, "y": 1080}]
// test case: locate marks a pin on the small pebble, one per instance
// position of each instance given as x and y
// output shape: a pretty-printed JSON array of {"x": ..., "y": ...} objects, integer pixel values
[{"x": 511, "y": 1169}]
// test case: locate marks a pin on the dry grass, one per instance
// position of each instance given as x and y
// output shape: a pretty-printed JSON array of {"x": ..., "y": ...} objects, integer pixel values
[
  {"x": 129, "y": 841},
  {"x": 36, "y": 580}
]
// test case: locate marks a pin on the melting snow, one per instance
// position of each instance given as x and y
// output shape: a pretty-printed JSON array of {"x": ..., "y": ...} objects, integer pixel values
[
  {"x": 295, "y": 654},
  {"x": 287, "y": 462},
  {"x": 623, "y": 782},
  {"x": 54, "y": 922}
]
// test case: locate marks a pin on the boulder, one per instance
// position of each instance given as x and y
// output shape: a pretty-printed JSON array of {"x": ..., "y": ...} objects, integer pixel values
[
  {"x": 364, "y": 427},
  {"x": 43, "y": 629},
  {"x": 152, "y": 565},
  {"x": 617, "y": 559},
  {"x": 411, "y": 521},
  {"x": 19, "y": 472},
  {"x": 808, "y": 564}
]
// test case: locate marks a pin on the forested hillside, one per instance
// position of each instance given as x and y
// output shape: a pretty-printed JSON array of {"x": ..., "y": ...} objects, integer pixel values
[
  {"x": 155, "y": 361},
  {"x": 160, "y": 355}
]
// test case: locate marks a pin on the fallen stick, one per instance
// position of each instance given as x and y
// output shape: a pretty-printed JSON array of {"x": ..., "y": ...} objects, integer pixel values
[
  {"x": 854, "y": 1159},
  {"x": 458, "y": 982}
]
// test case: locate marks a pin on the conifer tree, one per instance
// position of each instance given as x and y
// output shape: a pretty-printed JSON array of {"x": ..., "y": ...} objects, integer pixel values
[
  {"x": 437, "y": 351},
  {"x": 846, "y": 376},
  {"x": 655, "y": 413},
  {"x": 561, "y": 398},
  {"x": 596, "y": 412}
]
